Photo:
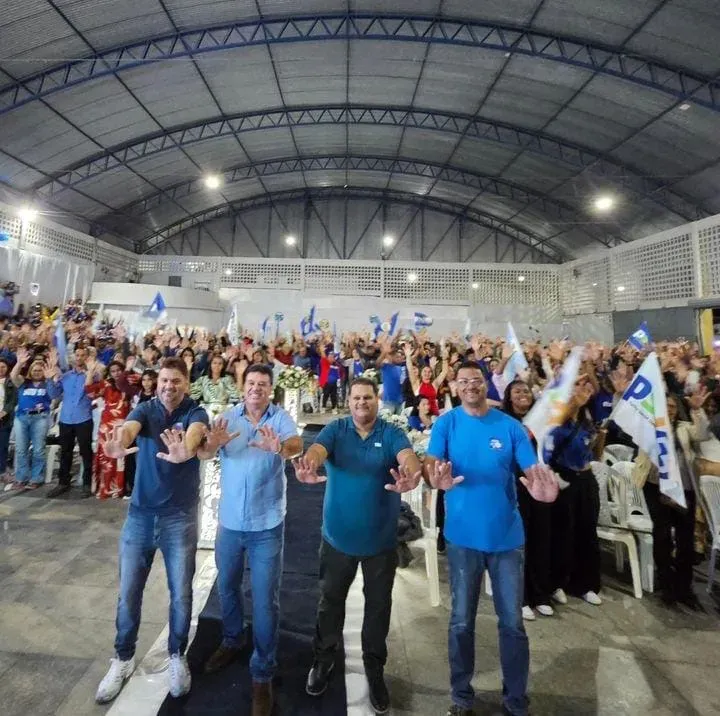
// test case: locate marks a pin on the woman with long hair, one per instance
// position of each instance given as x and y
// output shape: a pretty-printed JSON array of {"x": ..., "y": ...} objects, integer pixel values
[
  {"x": 148, "y": 390},
  {"x": 420, "y": 417},
  {"x": 117, "y": 393},
  {"x": 32, "y": 418},
  {"x": 424, "y": 384},
  {"x": 215, "y": 389},
  {"x": 569, "y": 449},
  {"x": 536, "y": 517}
]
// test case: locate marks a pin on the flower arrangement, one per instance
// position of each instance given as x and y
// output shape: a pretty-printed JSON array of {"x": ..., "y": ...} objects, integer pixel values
[
  {"x": 419, "y": 442},
  {"x": 399, "y": 421},
  {"x": 293, "y": 378},
  {"x": 372, "y": 374}
]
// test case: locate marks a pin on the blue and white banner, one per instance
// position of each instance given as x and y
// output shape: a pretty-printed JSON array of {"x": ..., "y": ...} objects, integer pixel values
[
  {"x": 233, "y": 330},
  {"x": 157, "y": 310},
  {"x": 517, "y": 362},
  {"x": 61, "y": 343},
  {"x": 553, "y": 407},
  {"x": 642, "y": 414}
]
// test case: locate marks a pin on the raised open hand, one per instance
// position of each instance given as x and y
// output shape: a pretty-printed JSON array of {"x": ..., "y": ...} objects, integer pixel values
[
  {"x": 268, "y": 440},
  {"x": 114, "y": 447},
  {"x": 22, "y": 355},
  {"x": 306, "y": 471},
  {"x": 177, "y": 452},
  {"x": 404, "y": 480},
  {"x": 698, "y": 398},
  {"x": 441, "y": 476},
  {"x": 218, "y": 435},
  {"x": 542, "y": 483}
]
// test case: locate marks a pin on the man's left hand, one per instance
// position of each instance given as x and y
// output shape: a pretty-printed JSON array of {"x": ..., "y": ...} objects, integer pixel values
[
  {"x": 177, "y": 451},
  {"x": 542, "y": 483},
  {"x": 405, "y": 481}
]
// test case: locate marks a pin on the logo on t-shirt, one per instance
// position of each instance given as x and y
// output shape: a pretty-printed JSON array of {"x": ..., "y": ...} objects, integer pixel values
[{"x": 495, "y": 444}]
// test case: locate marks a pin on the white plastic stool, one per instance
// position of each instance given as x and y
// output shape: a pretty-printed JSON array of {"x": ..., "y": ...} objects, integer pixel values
[{"x": 647, "y": 563}]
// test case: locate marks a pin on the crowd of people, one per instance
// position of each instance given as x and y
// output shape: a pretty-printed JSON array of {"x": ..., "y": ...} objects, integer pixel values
[{"x": 497, "y": 499}]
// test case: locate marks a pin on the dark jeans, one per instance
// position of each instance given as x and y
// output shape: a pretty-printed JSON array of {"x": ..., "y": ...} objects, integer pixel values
[
  {"x": 537, "y": 520},
  {"x": 130, "y": 465},
  {"x": 466, "y": 567},
  {"x": 5, "y": 431},
  {"x": 337, "y": 572},
  {"x": 175, "y": 535},
  {"x": 575, "y": 544},
  {"x": 330, "y": 391},
  {"x": 673, "y": 558},
  {"x": 82, "y": 432}
]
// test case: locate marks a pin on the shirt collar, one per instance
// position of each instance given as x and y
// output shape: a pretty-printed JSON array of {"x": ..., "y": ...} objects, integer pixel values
[{"x": 271, "y": 410}]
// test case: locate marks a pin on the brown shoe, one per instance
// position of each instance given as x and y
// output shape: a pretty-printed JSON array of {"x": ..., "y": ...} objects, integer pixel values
[
  {"x": 262, "y": 698},
  {"x": 222, "y": 656}
]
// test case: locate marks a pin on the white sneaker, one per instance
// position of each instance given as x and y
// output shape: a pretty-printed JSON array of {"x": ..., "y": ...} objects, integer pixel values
[
  {"x": 528, "y": 614},
  {"x": 545, "y": 609},
  {"x": 592, "y": 598},
  {"x": 118, "y": 673},
  {"x": 179, "y": 676},
  {"x": 559, "y": 596}
]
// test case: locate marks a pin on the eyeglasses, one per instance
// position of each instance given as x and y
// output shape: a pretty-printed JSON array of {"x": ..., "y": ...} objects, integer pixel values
[{"x": 463, "y": 382}]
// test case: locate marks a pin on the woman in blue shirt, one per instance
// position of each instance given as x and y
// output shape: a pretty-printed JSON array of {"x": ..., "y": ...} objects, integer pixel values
[
  {"x": 32, "y": 421},
  {"x": 421, "y": 418},
  {"x": 569, "y": 449}
]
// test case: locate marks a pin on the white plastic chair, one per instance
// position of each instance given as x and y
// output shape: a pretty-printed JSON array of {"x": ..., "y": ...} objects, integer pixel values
[
  {"x": 617, "y": 453},
  {"x": 619, "y": 535},
  {"x": 710, "y": 449},
  {"x": 416, "y": 499},
  {"x": 710, "y": 490}
]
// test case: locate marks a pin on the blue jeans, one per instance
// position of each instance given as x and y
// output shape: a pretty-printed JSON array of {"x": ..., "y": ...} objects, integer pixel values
[
  {"x": 466, "y": 568},
  {"x": 30, "y": 429},
  {"x": 4, "y": 444},
  {"x": 176, "y": 535},
  {"x": 265, "y": 559}
]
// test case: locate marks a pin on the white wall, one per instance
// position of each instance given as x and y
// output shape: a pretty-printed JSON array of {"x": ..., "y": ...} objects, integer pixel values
[{"x": 184, "y": 306}]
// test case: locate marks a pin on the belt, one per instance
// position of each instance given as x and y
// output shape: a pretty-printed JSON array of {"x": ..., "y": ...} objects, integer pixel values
[{"x": 36, "y": 412}]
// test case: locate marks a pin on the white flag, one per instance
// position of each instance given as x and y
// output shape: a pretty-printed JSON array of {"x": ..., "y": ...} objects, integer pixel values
[
  {"x": 642, "y": 414},
  {"x": 517, "y": 361},
  {"x": 553, "y": 407},
  {"x": 232, "y": 329}
]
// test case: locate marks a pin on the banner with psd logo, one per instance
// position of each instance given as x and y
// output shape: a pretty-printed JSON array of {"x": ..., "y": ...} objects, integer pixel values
[{"x": 642, "y": 414}]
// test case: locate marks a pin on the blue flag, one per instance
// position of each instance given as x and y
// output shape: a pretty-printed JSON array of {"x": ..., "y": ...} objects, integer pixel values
[
  {"x": 157, "y": 308},
  {"x": 641, "y": 339},
  {"x": 61, "y": 344}
]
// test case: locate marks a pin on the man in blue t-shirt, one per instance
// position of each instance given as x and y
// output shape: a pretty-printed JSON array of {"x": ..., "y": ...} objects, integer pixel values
[
  {"x": 393, "y": 371},
  {"x": 369, "y": 463},
  {"x": 169, "y": 429},
  {"x": 472, "y": 455}
]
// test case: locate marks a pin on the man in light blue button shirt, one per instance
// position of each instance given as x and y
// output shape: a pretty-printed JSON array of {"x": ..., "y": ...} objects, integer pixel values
[{"x": 258, "y": 438}]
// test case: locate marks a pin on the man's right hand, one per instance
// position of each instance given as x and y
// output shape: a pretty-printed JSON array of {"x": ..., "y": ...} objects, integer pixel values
[
  {"x": 218, "y": 435},
  {"x": 114, "y": 447},
  {"x": 306, "y": 471},
  {"x": 441, "y": 476}
]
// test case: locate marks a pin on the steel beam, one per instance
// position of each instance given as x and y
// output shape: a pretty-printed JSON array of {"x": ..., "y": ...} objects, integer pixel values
[
  {"x": 484, "y": 184},
  {"x": 604, "y": 59},
  {"x": 533, "y": 241},
  {"x": 540, "y": 143}
]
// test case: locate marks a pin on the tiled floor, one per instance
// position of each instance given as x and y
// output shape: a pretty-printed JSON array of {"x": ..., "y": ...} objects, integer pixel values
[{"x": 57, "y": 607}]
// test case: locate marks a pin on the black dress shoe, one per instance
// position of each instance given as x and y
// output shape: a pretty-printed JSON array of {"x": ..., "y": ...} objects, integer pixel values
[
  {"x": 58, "y": 490},
  {"x": 86, "y": 492},
  {"x": 222, "y": 656},
  {"x": 690, "y": 601},
  {"x": 317, "y": 680},
  {"x": 379, "y": 696}
]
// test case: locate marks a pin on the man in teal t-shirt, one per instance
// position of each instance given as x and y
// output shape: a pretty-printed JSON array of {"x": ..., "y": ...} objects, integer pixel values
[
  {"x": 369, "y": 463},
  {"x": 481, "y": 446}
]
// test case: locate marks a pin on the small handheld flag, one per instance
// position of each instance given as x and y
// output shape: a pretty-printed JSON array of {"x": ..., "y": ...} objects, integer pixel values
[
  {"x": 232, "y": 329},
  {"x": 517, "y": 362},
  {"x": 421, "y": 320},
  {"x": 157, "y": 309},
  {"x": 61, "y": 344},
  {"x": 641, "y": 338}
]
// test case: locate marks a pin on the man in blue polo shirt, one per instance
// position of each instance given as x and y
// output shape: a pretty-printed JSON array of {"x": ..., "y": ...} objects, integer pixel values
[
  {"x": 472, "y": 455},
  {"x": 369, "y": 463},
  {"x": 163, "y": 515},
  {"x": 257, "y": 439},
  {"x": 75, "y": 422}
]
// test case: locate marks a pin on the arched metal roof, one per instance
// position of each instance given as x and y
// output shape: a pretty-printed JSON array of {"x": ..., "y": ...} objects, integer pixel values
[{"x": 521, "y": 111}]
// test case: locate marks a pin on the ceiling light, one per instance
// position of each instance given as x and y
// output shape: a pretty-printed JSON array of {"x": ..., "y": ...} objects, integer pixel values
[
  {"x": 228, "y": 272},
  {"x": 212, "y": 181},
  {"x": 412, "y": 277},
  {"x": 290, "y": 240},
  {"x": 388, "y": 240},
  {"x": 594, "y": 285},
  {"x": 27, "y": 213},
  {"x": 684, "y": 107},
  {"x": 476, "y": 285},
  {"x": 621, "y": 288},
  {"x": 521, "y": 278},
  {"x": 604, "y": 203}
]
